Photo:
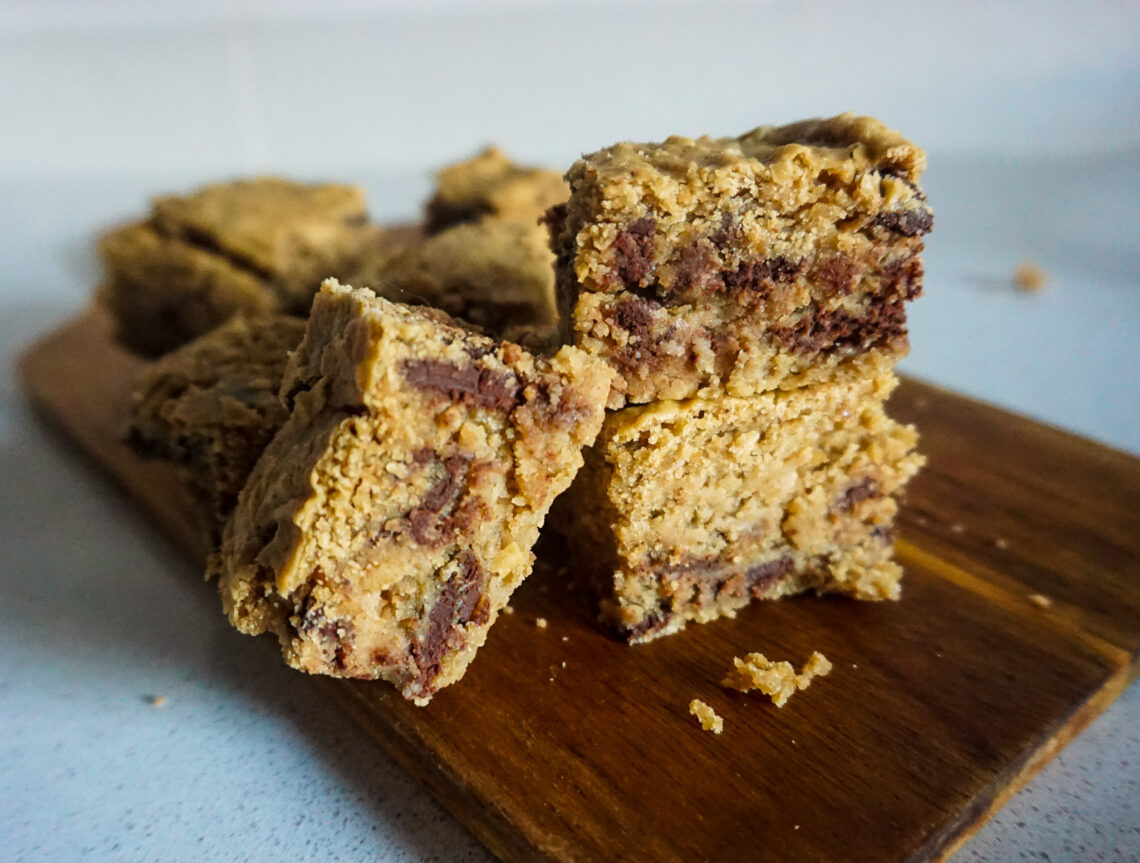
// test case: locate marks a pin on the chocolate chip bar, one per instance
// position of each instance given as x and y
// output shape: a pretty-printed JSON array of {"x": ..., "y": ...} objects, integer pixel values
[
  {"x": 211, "y": 407},
  {"x": 386, "y": 525},
  {"x": 700, "y": 506},
  {"x": 741, "y": 265},
  {"x": 491, "y": 185},
  {"x": 251, "y": 246}
]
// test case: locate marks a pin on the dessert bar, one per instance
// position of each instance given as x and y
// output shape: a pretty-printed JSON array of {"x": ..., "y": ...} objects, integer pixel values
[
  {"x": 388, "y": 522},
  {"x": 740, "y": 265}
]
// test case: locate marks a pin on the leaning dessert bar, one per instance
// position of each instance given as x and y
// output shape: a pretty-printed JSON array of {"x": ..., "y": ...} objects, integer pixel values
[
  {"x": 699, "y": 506},
  {"x": 740, "y": 265},
  {"x": 387, "y": 524}
]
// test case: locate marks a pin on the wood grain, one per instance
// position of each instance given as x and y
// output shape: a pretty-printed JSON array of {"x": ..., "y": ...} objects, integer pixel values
[{"x": 565, "y": 744}]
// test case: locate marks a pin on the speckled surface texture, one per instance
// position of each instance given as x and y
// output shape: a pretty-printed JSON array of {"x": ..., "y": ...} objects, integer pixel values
[{"x": 1034, "y": 148}]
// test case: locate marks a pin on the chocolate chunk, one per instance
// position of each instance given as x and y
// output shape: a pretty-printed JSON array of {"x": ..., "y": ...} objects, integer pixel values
[
  {"x": 836, "y": 275},
  {"x": 444, "y": 492},
  {"x": 725, "y": 233},
  {"x": 884, "y": 322},
  {"x": 860, "y": 491},
  {"x": 633, "y": 251},
  {"x": 635, "y": 316},
  {"x": 904, "y": 276},
  {"x": 460, "y": 602},
  {"x": 909, "y": 223},
  {"x": 763, "y": 275},
  {"x": 695, "y": 266},
  {"x": 763, "y": 578},
  {"x": 471, "y": 385}
]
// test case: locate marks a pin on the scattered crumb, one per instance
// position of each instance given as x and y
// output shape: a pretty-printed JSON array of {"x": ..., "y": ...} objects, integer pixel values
[
  {"x": 565, "y": 638},
  {"x": 1001, "y": 543},
  {"x": 156, "y": 700},
  {"x": 563, "y": 663},
  {"x": 957, "y": 527},
  {"x": 797, "y": 827},
  {"x": 508, "y": 609},
  {"x": 706, "y": 716},
  {"x": 1041, "y": 600},
  {"x": 1029, "y": 277},
  {"x": 922, "y": 521},
  {"x": 777, "y": 680},
  {"x": 540, "y": 622}
]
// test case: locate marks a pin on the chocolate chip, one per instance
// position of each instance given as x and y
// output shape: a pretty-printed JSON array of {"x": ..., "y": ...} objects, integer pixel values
[
  {"x": 633, "y": 251},
  {"x": 860, "y": 491},
  {"x": 884, "y": 322},
  {"x": 761, "y": 276},
  {"x": 725, "y": 233},
  {"x": 836, "y": 275},
  {"x": 471, "y": 385},
  {"x": 909, "y": 223},
  {"x": 694, "y": 267},
  {"x": 635, "y": 316},
  {"x": 446, "y": 489},
  {"x": 762, "y": 578},
  {"x": 460, "y": 602}
]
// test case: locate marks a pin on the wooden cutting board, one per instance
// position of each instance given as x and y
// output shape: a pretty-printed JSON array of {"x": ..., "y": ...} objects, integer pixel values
[{"x": 562, "y": 743}]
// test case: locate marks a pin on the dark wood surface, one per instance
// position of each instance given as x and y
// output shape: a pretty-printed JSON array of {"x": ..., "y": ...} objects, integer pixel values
[{"x": 564, "y": 744}]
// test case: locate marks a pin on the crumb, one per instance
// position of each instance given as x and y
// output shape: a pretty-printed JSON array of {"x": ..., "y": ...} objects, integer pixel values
[
  {"x": 565, "y": 638},
  {"x": 1040, "y": 600},
  {"x": 777, "y": 680},
  {"x": 797, "y": 827},
  {"x": 1029, "y": 277},
  {"x": 563, "y": 663},
  {"x": 156, "y": 700},
  {"x": 508, "y": 609},
  {"x": 706, "y": 716},
  {"x": 1001, "y": 543},
  {"x": 540, "y": 622},
  {"x": 957, "y": 527}
]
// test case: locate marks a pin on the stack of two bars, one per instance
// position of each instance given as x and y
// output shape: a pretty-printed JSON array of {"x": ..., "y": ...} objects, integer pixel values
[{"x": 748, "y": 293}]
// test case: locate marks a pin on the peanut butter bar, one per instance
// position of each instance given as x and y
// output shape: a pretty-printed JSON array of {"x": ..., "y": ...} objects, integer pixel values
[
  {"x": 211, "y": 407},
  {"x": 697, "y": 507},
  {"x": 163, "y": 291},
  {"x": 386, "y": 525},
  {"x": 496, "y": 274},
  {"x": 250, "y": 245},
  {"x": 741, "y": 265},
  {"x": 491, "y": 185}
]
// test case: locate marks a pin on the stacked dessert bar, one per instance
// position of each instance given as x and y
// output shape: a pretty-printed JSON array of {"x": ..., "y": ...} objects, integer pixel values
[{"x": 749, "y": 294}]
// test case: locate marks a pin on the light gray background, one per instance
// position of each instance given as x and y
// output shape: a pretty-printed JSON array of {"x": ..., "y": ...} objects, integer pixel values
[{"x": 1030, "y": 112}]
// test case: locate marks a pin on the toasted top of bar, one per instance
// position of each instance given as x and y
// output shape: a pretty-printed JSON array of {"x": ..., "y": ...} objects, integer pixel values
[
  {"x": 847, "y": 142},
  {"x": 491, "y": 184},
  {"x": 359, "y": 347},
  {"x": 493, "y": 273},
  {"x": 257, "y": 222},
  {"x": 139, "y": 254}
]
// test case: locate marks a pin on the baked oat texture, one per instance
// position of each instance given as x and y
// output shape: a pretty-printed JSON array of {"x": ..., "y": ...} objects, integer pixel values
[
  {"x": 739, "y": 265},
  {"x": 708, "y": 717},
  {"x": 777, "y": 680},
  {"x": 496, "y": 274},
  {"x": 691, "y": 509},
  {"x": 211, "y": 407},
  {"x": 386, "y": 525},
  {"x": 253, "y": 246},
  {"x": 491, "y": 185}
]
